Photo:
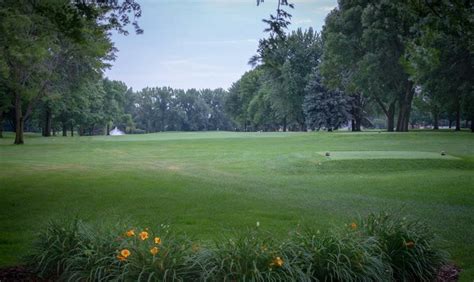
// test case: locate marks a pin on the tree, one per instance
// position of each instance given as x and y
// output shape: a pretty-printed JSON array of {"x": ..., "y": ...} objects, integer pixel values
[
  {"x": 440, "y": 56},
  {"x": 324, "y": 108},
  {"x": 364, "y": 46},
  {"x": 286, "y": 62},
  {"x": 37, "y": 38},
  {"x": 342, "y": 52},
  {"x": 241, "y": 94},
  {"x": 114, "y": 100}
]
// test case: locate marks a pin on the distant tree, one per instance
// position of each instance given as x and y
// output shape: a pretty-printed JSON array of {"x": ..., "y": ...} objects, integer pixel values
[
  {"x": 114, "y": 99},
  {"x": 241, "y": 94},
  {"x": 324, "y": 108},
  {"x": 215, "y": 99}
]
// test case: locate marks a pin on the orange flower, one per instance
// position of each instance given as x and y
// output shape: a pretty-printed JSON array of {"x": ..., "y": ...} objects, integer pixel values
[
  {"x": 121, "y": 258},
  {"x": 353, "y": 226},
  {"x": 157, "y": 240},
  {"x": 154, "y": 251},
  {"x": 410, "y": 244},
  {"x": 130, "y": 233},
  {"x": 143, "y": 235},
  {"x": 277, "y": 262},
  {"x": 125, "y": 253}
]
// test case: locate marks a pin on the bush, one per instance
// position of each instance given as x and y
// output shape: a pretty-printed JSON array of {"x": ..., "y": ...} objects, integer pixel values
[
  {"x": 381, "y": 247},
  {"x": 409, "y": 245},
  {"x": 250, "y": 256},
  {"x": 76, "y": 251},
  {"x": 73, "y": 250},
  {"x": 336, "y": 256}
]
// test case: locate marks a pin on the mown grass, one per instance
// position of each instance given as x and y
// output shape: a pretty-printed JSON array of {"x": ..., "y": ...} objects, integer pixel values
[{"x": 210, "y": 183}]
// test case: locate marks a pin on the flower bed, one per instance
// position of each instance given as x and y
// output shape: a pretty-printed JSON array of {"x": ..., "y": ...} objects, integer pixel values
[{"x": 379, "y": 247}]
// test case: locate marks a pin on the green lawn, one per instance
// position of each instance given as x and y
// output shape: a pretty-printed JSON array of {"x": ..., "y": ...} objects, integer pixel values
[{"x": 211, "y": 183}]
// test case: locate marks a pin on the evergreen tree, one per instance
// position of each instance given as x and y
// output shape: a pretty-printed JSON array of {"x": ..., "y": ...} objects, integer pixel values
[{"x": 324, "y": 108}]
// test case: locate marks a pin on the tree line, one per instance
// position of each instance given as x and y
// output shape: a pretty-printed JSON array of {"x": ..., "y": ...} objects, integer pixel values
[{"x": 408, "y": 61}]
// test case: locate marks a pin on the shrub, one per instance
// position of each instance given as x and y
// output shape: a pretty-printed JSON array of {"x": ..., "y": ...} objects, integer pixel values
[
  {"x": 74, "y": 250},
  {"x": 157, "y": 256},
  {"x": 250, "y": 256},
  {"x": 409, "y": 245},
  {"x": 77, "y": 251},
  {"x": 336, "y": 256}
]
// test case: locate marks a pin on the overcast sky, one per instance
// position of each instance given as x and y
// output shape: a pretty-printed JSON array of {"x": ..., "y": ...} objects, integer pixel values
[{"x": 200, "y": 43}]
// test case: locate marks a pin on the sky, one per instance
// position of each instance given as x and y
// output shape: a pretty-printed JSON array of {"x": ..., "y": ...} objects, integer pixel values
[{"x": 200, "y": 43}]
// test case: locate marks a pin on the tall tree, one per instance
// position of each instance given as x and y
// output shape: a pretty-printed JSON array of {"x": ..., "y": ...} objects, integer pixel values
[
  {"x": 440, "y": 56},
  {"x": 287, "y": 62},
  {"x": 324, "y": 108}
]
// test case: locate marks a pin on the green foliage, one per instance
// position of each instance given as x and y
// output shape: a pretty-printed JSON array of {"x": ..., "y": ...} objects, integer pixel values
[
  {"x": 410, "y": 246},
  {"x": 249, "y": 256},
  {"x": 285, "y": 66},
  {"x": 381, "y": 248},
  {"x": 74, "y": 250},
  {"x": 342, "y": 255},
  {"x": 324, "y": 108},
  {"x": 81, "y": 252},
  {"x": 166, "y": 109}
]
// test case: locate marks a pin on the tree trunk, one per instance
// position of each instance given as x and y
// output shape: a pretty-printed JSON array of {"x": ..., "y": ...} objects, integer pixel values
[
  {"x": 302, "y": 126},
  {"x": 18, "y": 121},
  {"x": 458, "y": 114},
  {"x": 435, "y": 120},
  {"x": 72, "y": 130},
  {"x": 472, "y": 124},
  {"x": 356, "y": 112},
  {"x": 47, "y": 123},
  {"x": 284, "y": 124},
  {"x": 389, "y": 113},
  {"x": 391, "y": 117},
  {"x": 357, "y": 123},
  {"x": 405, "y": 109},
  {"x": 1, "y": 124},
  {"x": 64, "y": 129},
  {"x": 108, "y": 129}
]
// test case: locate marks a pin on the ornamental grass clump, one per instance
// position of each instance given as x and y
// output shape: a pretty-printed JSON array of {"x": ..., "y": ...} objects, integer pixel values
[
  {"x": 80, "y": 252},
  {"x": 157, "y": 256},
  {"x": 409, "y": 246},
  {"x": 75, "y": 251},
  {"x": 335, "y": 256},
  {"x": 248, "y": 256}
]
